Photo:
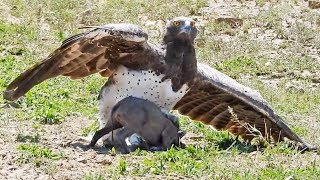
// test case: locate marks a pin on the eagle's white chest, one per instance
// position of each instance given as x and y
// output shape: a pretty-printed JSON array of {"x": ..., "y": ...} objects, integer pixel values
[{"x": 141, "y": 84}]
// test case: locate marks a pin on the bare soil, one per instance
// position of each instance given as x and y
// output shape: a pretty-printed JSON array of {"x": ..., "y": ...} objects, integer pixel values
[{"x": 77, "y": 160}]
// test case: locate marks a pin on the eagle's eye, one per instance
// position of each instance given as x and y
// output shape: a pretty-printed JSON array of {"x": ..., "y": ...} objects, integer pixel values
[
  {"x": 176, "y": 23},
  {"x": 193, "y": 24}
]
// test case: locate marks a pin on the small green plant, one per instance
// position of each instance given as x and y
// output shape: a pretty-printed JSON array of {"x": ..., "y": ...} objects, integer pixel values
[
  {"x": 33, "y": 150},
  {"x": 48, "y": 114},
  {"x": 113, "y": 151},
  {"x": 241, "y": 65},
  {"x": 38, "y": 155},
  {"x": 122, "y": 166},
  {"x": 16, "y": 51},
  {"x": 61, "y": 35},
  {"x": 93, "y": 127}
]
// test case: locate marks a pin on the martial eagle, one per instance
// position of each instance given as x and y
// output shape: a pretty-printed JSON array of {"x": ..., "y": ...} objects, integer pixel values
[{"x": 136, "y": 67}]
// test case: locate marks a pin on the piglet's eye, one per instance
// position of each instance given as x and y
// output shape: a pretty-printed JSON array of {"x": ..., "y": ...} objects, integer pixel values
[{"x": 193, "y": 24}]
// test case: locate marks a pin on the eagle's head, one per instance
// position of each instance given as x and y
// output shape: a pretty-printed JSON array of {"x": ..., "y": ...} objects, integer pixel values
[{"x": 180, "y": 28}]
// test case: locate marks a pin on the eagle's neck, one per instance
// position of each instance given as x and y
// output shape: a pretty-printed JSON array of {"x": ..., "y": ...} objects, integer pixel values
[{"x": 181, "y": 63}]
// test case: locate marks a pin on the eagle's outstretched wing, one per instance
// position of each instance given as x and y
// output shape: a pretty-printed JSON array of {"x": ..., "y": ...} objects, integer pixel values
[
  {"x": 220, "y": 101},
  {"x": 99, "y": 50}
]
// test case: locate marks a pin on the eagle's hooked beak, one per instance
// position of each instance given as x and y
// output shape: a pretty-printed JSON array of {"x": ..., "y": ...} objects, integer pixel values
[{"x": 185, "y": 30}]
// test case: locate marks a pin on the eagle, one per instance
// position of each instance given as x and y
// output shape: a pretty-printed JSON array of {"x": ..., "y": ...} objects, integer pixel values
[{"x": 168, "y": 75}]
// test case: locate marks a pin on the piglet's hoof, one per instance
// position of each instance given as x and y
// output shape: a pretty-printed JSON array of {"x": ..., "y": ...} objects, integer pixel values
[
  {"x": 155, "y": 148},
  {"x": 182, "y": 145}
]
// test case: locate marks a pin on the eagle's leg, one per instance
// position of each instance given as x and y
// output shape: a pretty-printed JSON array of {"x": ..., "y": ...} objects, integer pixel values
[
  {"x": 107, "y": 100},
  {"x": 104, "y": 113}
]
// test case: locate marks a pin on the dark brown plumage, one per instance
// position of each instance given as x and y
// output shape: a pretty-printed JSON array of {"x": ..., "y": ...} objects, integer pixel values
[
  {"x": 84, "y": 54},
  {"x": 217, "y": 100}
]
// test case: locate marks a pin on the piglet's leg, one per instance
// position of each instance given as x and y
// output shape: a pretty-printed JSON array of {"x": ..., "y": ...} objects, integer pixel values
[
  {"x": 121, "y": 143},
  {"x": 110, "y": 126},
  {"x": 169, "y": 137}
]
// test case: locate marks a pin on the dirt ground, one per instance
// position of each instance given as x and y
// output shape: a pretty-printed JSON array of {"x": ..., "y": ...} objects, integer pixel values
[
  {"x": 77, "y": 162},
  {"x": 65, "y": 137}
]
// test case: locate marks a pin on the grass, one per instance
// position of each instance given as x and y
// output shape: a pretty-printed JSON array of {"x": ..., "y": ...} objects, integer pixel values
[
  {"x": 38, "y": 151},
  {"x": 30, "y": 30},
  {"x": 38, "y": 155},
  {"x": 197, "y": 162}
]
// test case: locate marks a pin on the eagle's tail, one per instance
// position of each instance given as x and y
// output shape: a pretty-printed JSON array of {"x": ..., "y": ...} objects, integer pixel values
[{"x": 28, "y": 79}]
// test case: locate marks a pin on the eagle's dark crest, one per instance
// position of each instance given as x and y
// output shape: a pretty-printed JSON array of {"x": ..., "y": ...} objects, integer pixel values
[{"x": 171, "y": 79}]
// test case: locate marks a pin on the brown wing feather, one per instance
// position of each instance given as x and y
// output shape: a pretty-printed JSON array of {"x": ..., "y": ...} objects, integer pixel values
[
  {"x": 220, "y": 101},
  {"x": 98, "y": 50}
]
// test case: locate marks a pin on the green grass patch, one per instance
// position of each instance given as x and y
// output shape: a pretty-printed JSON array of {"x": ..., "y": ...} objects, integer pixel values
[
  {"x": 37, "y": 155},
  {"x": 241, "y": 65},
  {"x": 199, "y": 162},
  {"x": 36, "y": 151},
  {"x": 290, "y": 100}
]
